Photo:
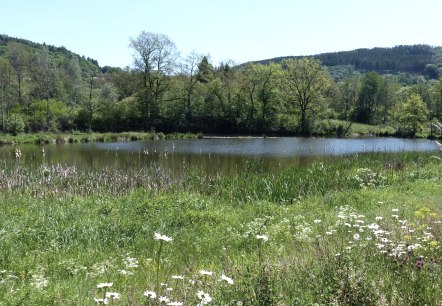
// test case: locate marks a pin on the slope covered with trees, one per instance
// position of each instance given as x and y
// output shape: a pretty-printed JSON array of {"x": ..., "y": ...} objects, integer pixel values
[
  {"x": 46, "y": 88},
  {"x": 418, "y": 59}
]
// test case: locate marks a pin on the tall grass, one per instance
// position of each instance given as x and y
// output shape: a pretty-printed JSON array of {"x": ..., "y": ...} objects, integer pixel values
[
  {"x": 362, "y": 231},
  {"x": 75, "y": 137}
]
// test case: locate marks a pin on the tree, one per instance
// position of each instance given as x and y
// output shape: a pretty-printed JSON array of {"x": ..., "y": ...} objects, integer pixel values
[
  {"x": 348, "y": 97},
  {"x": 44, "y": 79},
  {"x": 413, "y": 113},
  {"x": 5, "y": 89},
  {"x": 306, "y": 81},
  {"x": 436, "y": 110},
  {"x": 19, "y": 59},
  {"x": 367, "y": 98},
  {"x": 259, "y": 82},
  {"x": 155, "y": 56},
  {"x": 205, "y": 70},
  {"x": 190, "y": 70},
  {"x": 385, "y": 99}
]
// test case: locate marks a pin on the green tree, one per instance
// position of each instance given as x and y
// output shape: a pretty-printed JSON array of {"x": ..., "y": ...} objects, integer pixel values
[
  {"x": 367, "y": 99},
  {"x": 18, "y": 56},
  {"x": 413, "y": 113},
  {"x": 306, "y": 81},
  {"x": 43, "y": 75},
  {"x": 347, "y": 98},
  {"x": 436, "y": 109},
  {"x": 260, "y": 86},
  {"x": 205, "y": 70},
  {"x": 387, "y": 88},
  {"x": 6, "y": 90},
  {"x": 155, "y": 57},
  {"x": 191, "y": 74}
]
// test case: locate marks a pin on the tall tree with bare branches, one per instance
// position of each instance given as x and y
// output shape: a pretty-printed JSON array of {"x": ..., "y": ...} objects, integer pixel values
[{"x": 155, "y": 56}]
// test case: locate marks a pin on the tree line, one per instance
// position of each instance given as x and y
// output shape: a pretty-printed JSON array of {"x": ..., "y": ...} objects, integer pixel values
[{"x": 43, "y": 88}]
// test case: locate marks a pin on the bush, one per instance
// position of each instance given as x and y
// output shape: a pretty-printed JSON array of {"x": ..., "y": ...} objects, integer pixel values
[{"x": 15, "y": 124}]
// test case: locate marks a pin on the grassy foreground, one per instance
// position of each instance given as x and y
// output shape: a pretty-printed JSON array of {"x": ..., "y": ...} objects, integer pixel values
[{"x": 363, "y": 231}]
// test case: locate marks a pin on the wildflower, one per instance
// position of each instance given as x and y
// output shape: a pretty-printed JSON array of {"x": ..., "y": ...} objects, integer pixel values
[
  {"x": 131, "y": 262},
  {"x": 263, "y": 237},
  {"x": 124, "y": 272},
  {"x": 113, "y": 295},
  {"x": 162, "y": 237},
  {"x": 317, "y": 221},
  {"x": 175, "y": 303},
  {"x": 373, "y": 226},
  {"x": 101, "y": 301},
  {"x": 204, "y": 272},
  {"x": 104, "y": 285},
  {"x": 356, "y": 237},
  {"x": 177, "y": 277},
  {"x": 420, "y": 262},
  {"x": 379, "y": 218},
  {"x": 378, "y": 232},
  {"x": 328, "y": 233},
  {"x": 204, "y": 297},
  {"x": 395, "y": 210},
  {"x": 163, "y": 299},
  {"x": 227, "y": 279},
  {"x": 17, "y": 153},
  {"x": 150, "y": 294}
]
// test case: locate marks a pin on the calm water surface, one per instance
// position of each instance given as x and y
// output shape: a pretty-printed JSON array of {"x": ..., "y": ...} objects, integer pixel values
[{"x": 214, "y": 154}]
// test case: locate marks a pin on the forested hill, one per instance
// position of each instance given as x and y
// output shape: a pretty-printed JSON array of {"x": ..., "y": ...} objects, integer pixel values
[
  {"x": 419, "y": 59},
  {"x": 61, "y": 55}
]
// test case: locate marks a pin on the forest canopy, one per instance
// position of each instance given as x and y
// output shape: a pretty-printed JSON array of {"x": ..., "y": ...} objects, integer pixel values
[{"x": 47, "y": 88}]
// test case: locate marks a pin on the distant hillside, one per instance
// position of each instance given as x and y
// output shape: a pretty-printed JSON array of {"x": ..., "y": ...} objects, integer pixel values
[
  {"x": 60, "y": 54},
  {"x": 418, "y": 59}
]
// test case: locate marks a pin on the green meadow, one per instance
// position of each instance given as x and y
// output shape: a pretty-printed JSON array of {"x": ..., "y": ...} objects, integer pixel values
[{"x": 364, "y": 230}]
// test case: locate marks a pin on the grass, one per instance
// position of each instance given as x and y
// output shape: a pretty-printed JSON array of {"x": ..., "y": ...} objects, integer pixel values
[
  {"x": 363, "y": 231},
  {"x": 76, "y": 137}
]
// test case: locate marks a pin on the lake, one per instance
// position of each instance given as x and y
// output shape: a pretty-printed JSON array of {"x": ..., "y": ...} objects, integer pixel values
[{"x": 210, "y": 154}]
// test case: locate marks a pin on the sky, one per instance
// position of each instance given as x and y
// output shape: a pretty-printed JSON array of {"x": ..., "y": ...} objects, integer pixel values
[{"x": 226, "y": 30}]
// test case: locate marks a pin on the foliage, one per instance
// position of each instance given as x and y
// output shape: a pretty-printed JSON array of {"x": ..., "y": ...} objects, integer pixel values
[
  {"x": 306, "y": 82},
  {"x": 412, "y": 59},
  {"x": 15, "y": 125},
  {"x": 54, "y": 89},
  {"x": 413, "y": 113}
]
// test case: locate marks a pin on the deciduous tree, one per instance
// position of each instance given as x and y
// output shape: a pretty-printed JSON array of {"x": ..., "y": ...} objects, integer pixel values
[
  {"x": 155, "y": 56},
  {"x": 306, "y": 81},
  {"x": 413, "y": 113}
]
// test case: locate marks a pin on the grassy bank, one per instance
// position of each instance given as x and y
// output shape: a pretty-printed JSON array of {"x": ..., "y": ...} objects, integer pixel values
[
  {"x": 44, "y": 138},
  {"x": 365, "y": 231}
]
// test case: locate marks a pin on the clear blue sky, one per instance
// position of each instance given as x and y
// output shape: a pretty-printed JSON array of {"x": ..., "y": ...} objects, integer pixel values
[{"x": 238, "y": 30}]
